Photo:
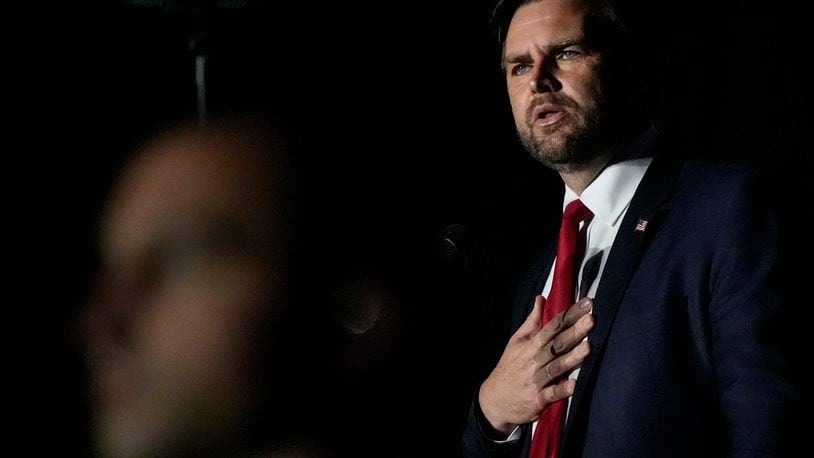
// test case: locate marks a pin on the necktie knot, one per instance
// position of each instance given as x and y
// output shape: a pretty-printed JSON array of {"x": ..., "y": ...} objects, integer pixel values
[{"x": 576, "y": 211}]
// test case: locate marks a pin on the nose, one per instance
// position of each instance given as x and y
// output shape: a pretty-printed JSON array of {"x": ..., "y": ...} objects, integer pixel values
[{"x": 543, "y": 80}]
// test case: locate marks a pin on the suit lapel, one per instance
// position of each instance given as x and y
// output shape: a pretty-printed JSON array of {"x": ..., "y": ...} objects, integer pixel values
[{"x": 637, "y": 227}]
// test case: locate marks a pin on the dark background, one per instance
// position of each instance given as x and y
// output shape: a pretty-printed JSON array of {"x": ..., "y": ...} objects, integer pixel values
[{"x": 402, "y": 112}]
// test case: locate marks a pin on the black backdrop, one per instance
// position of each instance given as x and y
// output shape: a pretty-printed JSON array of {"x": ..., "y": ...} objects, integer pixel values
[{"x": 403, "y": 110}]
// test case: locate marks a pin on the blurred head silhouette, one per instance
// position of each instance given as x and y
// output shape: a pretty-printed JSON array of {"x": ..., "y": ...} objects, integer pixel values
[{"x": 192, "y": 300}]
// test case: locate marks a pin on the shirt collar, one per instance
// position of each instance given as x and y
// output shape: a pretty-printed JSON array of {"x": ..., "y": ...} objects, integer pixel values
[{"x": 609, "y": 195}]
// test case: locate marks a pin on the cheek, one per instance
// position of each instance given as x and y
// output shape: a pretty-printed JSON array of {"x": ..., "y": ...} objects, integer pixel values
[
  {"x": 197, "y": 331},
  {"x": 518, "y": 100},
  {"x": 586, "y": 89}
]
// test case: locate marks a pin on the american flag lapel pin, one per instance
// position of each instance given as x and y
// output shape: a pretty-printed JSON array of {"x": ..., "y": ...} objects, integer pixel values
[{"x": 641, "y": 225}]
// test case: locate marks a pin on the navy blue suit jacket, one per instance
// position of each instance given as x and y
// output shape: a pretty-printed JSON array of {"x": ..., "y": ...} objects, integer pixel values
[{"x": 685, "y": 356}]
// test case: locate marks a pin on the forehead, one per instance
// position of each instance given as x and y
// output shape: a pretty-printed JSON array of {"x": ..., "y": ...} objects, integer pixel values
[
  {"x": 183, "y": 182},
  {"x": 546, "y": 21}
]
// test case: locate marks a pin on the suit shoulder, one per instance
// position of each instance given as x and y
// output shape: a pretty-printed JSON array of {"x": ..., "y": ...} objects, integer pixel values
[
  {"x": 716, "y": 179},
  {"x": 718, "y": 172}
]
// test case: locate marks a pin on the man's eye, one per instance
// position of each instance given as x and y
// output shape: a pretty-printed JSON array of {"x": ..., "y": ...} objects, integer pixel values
[
  {"x": 568, "y": 54},
  {"x": 520, "y": 69}
]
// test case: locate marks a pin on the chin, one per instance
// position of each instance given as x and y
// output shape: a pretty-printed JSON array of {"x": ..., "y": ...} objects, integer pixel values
[
  {"x": 119, "y": 436},
  {"x": 551, "y": 153},
  {"x": 135, "y": 428}
]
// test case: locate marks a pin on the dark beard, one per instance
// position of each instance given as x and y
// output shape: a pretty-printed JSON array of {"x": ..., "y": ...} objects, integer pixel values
[{"x": 581, "y": 146}]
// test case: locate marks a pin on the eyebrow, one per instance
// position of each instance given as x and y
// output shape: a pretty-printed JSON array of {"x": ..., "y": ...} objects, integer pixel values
[{"x": 555, "y": 46}]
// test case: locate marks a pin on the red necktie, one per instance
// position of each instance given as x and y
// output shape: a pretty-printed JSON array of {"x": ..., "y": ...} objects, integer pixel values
[{"x": 547, "y": 435}]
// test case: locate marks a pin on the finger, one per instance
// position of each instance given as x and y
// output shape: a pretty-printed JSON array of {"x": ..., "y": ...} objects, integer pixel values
[
  {"x": 563, "y": 365},
  {"x": 570, "y": 337},
  {"x": 532, "y": 324},
  {"x": 576, "y": 311},
  {"x": 557, "y": 391},
  {"x": 564, "y": 320}
]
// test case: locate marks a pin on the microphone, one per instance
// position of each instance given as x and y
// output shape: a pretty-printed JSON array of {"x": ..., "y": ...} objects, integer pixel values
[{"x": 452, "y": 245}]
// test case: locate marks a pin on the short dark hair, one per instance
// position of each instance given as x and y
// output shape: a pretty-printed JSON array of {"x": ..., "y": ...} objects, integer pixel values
[{"x": 613, "y": 25}]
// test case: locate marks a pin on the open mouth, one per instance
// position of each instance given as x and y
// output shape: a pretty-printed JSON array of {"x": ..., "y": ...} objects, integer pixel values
[{"x": 547, "y": 114}]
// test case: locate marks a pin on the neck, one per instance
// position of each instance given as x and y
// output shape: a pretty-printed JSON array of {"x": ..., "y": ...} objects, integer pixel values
[{"x": 577, "y": 179}]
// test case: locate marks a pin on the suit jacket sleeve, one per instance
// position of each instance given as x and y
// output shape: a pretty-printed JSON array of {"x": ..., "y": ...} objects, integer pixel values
[
  {"x": 744, "y": 312},
  {"x": 475, "y": 443}
]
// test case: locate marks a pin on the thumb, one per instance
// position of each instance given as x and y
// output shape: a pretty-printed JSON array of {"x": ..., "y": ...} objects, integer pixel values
[{"x": 532, "y": 323}]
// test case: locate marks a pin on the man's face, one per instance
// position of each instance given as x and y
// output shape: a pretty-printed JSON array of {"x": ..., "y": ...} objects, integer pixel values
[
  {"x": 185, "y": 282},
  {"x": 553, "y": 82}
]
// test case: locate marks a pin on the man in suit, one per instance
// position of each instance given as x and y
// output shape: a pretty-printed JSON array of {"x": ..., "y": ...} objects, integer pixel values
[{"x": 669, "y": 344}]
